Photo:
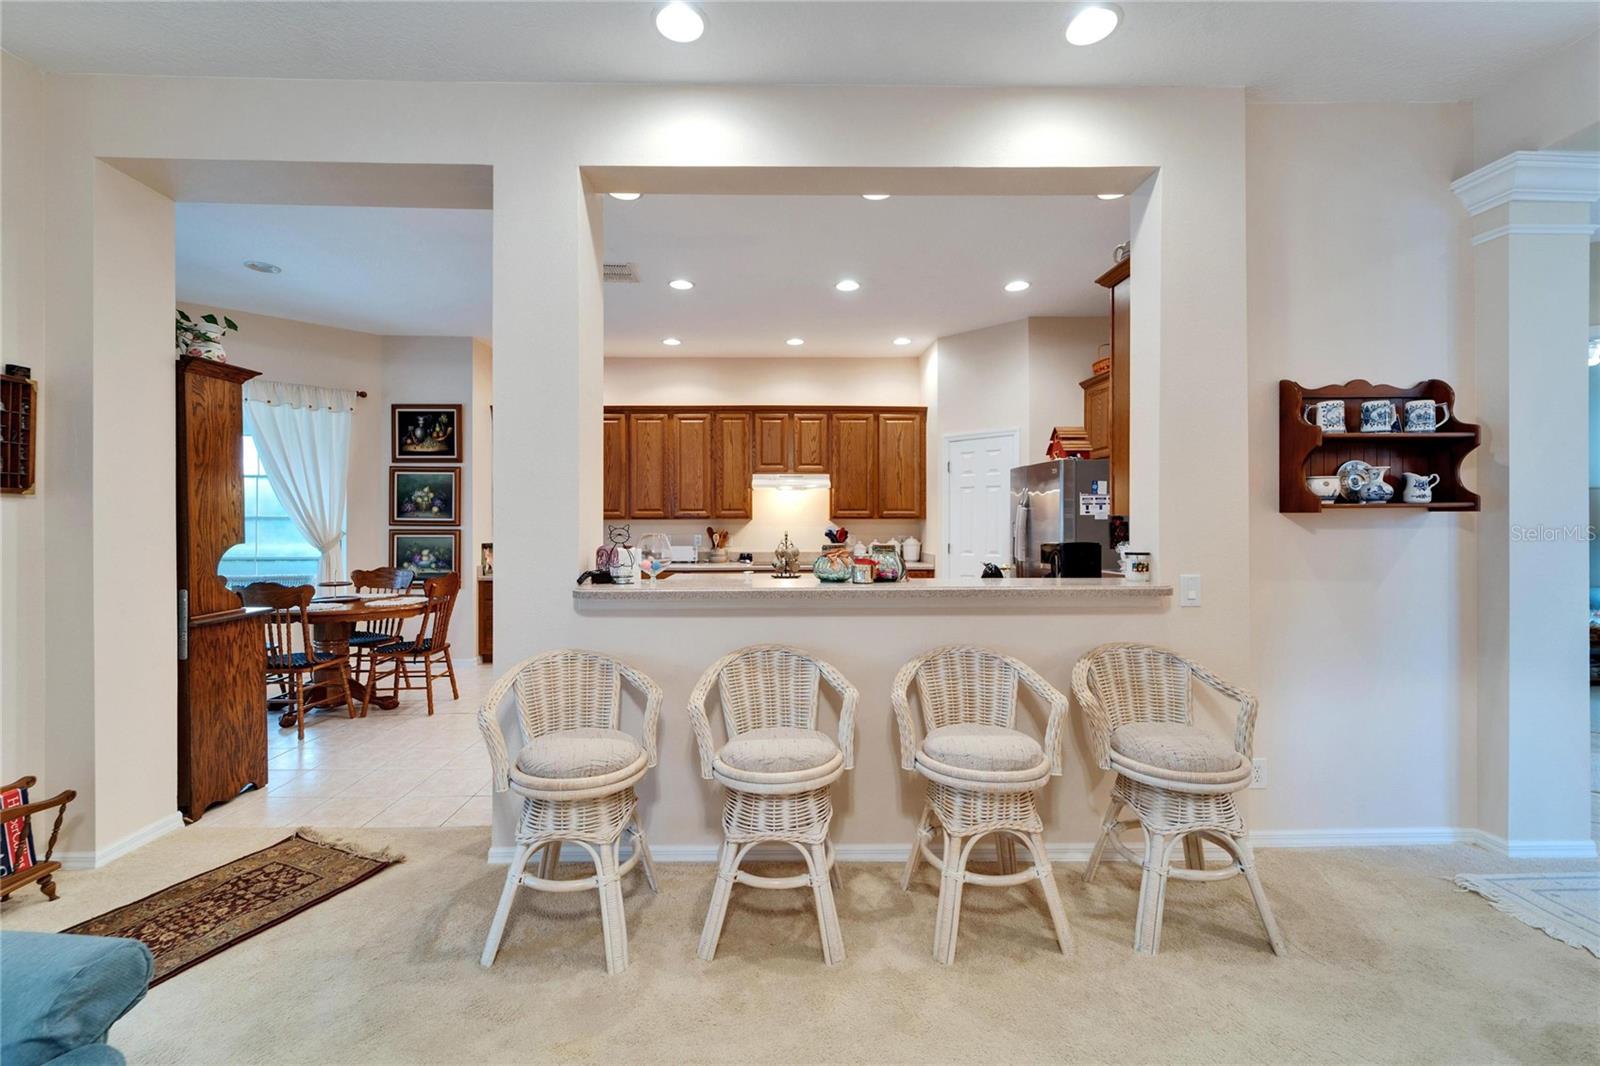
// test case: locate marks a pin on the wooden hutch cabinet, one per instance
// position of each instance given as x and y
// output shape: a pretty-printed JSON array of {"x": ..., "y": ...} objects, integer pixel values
[{"x": 222, "y": 701}]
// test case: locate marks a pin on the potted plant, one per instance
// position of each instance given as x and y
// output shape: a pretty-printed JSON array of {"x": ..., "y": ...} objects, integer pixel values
[{"x": 202, "y": 336}]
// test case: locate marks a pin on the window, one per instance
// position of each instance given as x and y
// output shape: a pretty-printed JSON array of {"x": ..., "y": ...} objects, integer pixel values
[{"x": 273, "y": 549}]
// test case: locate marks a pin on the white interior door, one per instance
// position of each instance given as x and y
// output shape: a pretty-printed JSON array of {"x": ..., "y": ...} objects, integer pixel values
[{"x": 977, "y": 493}]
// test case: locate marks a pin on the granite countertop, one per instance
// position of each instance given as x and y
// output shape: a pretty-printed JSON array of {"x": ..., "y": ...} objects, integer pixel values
[{"x": 757, "y": 590}]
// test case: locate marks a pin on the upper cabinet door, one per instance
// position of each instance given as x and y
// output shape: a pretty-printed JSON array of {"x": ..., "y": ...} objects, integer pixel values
[
  {"x": 810, "y": 451},
  {"x": 901, "y": 470},
  {"x": 854, "y": 490},
  {"x": 730, "y": 456},
  {"x": 647, "y": 467},
  {"x": 615, "y": 457},
  {"x": 771, "y": 444},
  {"x": 689, "y": 464}
]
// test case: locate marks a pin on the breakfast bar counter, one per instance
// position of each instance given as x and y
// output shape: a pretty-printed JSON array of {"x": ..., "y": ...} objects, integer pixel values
[{"x": 765, "y": 591}]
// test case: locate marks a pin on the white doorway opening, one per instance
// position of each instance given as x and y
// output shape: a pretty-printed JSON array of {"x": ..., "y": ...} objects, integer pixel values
[{"x": 977, "y": 495}]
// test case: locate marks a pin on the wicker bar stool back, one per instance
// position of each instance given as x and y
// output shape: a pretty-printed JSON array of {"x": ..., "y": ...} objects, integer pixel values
[
  {"x": 776, "y": 769},
  {"x": 575, "y": 771},
  {"x": 1177, "y": 779},
  {"x": 983, "y": 776}
]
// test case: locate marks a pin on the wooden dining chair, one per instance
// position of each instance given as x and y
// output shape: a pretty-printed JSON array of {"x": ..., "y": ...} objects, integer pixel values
[
  {"x": 430, "y": 648},
  {"x": 288, "y": 611},
  {"x": 378, "y": 631}
]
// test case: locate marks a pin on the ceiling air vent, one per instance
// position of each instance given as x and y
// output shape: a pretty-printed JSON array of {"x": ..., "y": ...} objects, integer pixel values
[{"x": 621, "y": 272}]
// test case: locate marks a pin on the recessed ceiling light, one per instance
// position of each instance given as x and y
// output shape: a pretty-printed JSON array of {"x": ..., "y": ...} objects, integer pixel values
[
  {"x": 624, "y": 195},
  {"x": 1093, "y": 23},
  {"x": 671, "y": 342},
  {"x": 680, "y": 22},
  {"x": 795, "y": 342},
  {"x": 681, "y": 284},
  {"x": 1109, "y": 195},
  {"x": 902, "y": 341},
  {"x": 1016, "y": 286},
  {"x": 847, "y": 285},
  {"x": 874, "y": 196},
  {"x": 263, "y": 268}
]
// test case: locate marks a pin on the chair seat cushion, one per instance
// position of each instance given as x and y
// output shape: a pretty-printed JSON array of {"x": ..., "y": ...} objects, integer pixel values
[
  {"x": 1173, "y": 746},
  {"x": 579, "y": 755},
  {"x": 365, "y": 638},
  {"x": 297, "y": 660},
  {"x": 407, "y": 647},
  {"x": 779, "y": 755},
  {"x": 983, "y": 748}
]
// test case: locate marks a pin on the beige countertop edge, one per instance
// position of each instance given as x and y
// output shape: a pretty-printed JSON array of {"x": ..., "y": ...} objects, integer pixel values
[{"x": 734, "y": 590}]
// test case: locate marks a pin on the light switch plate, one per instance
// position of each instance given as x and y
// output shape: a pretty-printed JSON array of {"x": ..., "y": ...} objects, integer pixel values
[{"x": 1188, "y": 590}]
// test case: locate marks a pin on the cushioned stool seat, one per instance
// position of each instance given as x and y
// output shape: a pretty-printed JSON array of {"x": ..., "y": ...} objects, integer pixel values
[
  {"x": 579, "y": 758},
  {"x": 779, "y": 754},
  {"x": 1173, "y": 746},
  {"x": 987, "y": 748}
]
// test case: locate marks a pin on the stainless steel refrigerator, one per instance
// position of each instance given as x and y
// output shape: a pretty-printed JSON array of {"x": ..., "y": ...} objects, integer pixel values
[{"x": 1058, "y": 502}]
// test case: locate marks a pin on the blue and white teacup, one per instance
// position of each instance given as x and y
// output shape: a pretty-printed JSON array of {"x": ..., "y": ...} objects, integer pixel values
[
  {"x": 1378, "y": 416},
  {"x": 1328, "y": 417},
  {"x": 1425, "y": 416}
]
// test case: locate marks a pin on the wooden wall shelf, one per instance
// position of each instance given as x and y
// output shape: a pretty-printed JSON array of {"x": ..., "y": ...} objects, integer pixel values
[{"x": 1305, "y": 451}]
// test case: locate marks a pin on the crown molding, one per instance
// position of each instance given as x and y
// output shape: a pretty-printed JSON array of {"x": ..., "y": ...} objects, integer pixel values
[{"x": 1531, "y": 177}]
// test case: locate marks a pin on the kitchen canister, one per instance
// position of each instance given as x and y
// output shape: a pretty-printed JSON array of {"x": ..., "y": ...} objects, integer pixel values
[
  {"x": 863, "y": 571},
  {"x": 912, "y": 550}
]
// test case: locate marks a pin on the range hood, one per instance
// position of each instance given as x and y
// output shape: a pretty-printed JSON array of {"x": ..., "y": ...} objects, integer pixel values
[{"x": 789, "y": 481}]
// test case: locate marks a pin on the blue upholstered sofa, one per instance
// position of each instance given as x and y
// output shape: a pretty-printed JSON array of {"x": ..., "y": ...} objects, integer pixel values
[{"x": 59, "y": 995}]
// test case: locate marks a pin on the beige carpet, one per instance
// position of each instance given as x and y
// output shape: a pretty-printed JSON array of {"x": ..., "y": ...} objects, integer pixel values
[{"x": 1388, "y": 962}]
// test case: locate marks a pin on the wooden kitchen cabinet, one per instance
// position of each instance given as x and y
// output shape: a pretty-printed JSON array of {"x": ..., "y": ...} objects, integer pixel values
[
  {"x": 648, "y": 495},
  {"x": 772, "y": 454},
  {"x": 731, "y": 461},
  {"x": 689, "y": 464},
  {"x": 854, "y": 444},
  {"x": 809, "y": 454},
  {"x": 614, "y": 438},
  {"x": 1097, "y": 414},
  {"x": 901, "y": 473},
  {"x": 1117, "y": 280}
]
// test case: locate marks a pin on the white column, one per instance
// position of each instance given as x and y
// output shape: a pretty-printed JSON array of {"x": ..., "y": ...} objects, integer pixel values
[{"x": 1531, "y": 227}]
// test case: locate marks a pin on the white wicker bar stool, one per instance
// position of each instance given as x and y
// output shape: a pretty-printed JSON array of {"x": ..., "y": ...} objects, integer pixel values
[
  {"x": 983, "y": 776},
  {"x": 1176, "y": 778},
  {"x": 777, "y": 769},
  {"x": 575, "y": 771}
]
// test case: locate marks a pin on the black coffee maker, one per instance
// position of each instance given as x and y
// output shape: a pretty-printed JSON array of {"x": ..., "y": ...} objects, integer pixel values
[{"x": 1073, "y": 558}]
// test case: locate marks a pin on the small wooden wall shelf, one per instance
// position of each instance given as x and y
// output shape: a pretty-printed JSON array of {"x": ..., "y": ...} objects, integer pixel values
[
  {"x": 18, "y": 440},
  {"x": 1305, "y": 451}
]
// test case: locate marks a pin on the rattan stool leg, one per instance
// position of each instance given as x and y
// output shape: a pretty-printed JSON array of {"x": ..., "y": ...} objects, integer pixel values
[
  {"x": 1247, "y": 865},
  {"x": 952, "y": 878},
  {"x": 646, "y": 863},
  {"x": 613, "y": 920},
  {"x": 550, "y": 860},
  {"x": 721, "y": 889},
  {"x": 1005, "y": 852},
  {"x": 924, "y": 831},
  {"x": 497, "y": 927},
  {"x": 1152, "y": 893},
  {"x": 1052, "y": 892},
  {"x": 1194, "y": 852},
  {"x": 1107, "y": 828},
  {"x": 827, "y": 913}
]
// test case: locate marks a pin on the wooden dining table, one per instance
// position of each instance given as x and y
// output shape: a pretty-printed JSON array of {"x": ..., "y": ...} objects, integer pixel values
[{"x": 334, "y": 618}]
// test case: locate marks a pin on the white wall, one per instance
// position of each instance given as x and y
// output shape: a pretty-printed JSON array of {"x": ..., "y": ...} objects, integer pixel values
[
  {"x": 1552, "y": 103},
  {"x": 1061, "y": 354},
  {"x": 1204, "y": 364},
  {"x": 1361, "y": 623},
  {"x": 22, "y": 329}
]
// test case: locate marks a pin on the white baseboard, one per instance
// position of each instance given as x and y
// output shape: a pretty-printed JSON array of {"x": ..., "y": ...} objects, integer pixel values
[
  {"x": 1405, "y": 837},
  {"x": 1583, "y": 848},
  {"x": 89, "y": 860}
]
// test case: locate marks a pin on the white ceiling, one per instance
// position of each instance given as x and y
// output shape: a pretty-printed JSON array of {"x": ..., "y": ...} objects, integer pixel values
[
  {"x": 1281, "y": 51},
  {"x": 390, "y": 270},
  {"x": 764, "y": 269}
]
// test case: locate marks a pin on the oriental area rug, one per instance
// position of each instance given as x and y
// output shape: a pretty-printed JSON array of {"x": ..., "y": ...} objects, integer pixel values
[{"x": 191, "y": 921}]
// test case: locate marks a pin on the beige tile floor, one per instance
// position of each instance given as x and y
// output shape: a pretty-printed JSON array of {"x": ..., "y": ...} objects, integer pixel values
[{"x": 398, "y": 768}]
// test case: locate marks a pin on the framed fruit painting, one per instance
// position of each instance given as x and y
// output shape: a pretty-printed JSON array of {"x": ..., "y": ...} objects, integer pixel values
[
  {"x": 426, "y": 432},
  {"x": 425, "y": 553},
  {"x": 424, "y": 496}
]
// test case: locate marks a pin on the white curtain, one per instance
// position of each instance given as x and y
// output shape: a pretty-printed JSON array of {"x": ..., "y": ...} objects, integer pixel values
[{"x": 302, "y": 436}]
